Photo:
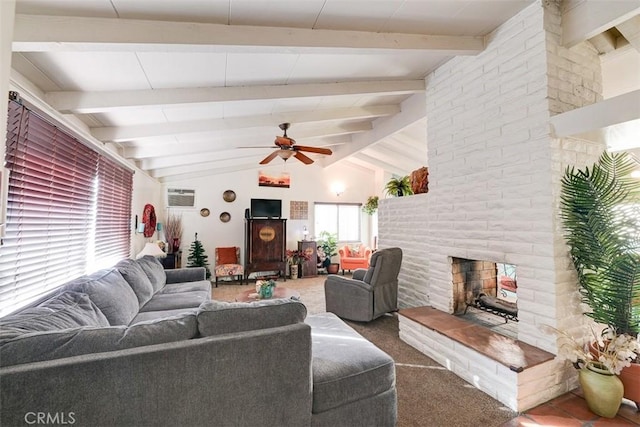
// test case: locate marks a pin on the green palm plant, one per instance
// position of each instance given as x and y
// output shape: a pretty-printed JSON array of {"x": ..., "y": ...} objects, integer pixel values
[
  {"x": 600, "y": 212},
  {"x": 398, "y": 186}
]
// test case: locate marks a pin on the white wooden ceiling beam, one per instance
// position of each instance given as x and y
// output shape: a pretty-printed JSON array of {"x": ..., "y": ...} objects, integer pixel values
[
  {"x": 94, "y": 102},
  {"x": 230, "y": 165},
  {"x": 604, "y": 42},
  {"x": 630, "y": 29},
  {"x": 413, "y": 110},
  {"x": 371, "y": 163},
  {"x": 44, "y": 33},
  {"x": 403, "y": 158},
  {"x": 585, "y": 19},
  {"x": 123, "y": 133},
  {"x": 619, "y": 109},
  {"x": 210, "y": 171},
  {"x": 204, "y": 157},
  {"x": 145, "y": 151}
]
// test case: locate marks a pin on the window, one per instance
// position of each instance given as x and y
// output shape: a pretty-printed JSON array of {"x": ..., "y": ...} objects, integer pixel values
[
  {"x": 342, "y": 219},
  {"x": 67, "y": 207}
]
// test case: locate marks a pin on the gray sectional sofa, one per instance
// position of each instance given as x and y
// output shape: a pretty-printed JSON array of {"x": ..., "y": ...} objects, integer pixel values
[{"x": 136, "y": 345}]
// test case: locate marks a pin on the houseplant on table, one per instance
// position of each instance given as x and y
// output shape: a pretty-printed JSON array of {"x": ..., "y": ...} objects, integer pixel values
[
  {"x": 600, "y": 212},
  {"x": 329, "y": 244}
]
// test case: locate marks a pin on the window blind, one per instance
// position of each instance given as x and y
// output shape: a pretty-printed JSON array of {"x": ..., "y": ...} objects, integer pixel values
[
  {"x": 57, "y": 216},
  {"x": 113, "y": 216}
]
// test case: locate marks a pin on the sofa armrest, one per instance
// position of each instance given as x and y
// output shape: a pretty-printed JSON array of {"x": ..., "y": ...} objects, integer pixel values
[
  {"x": 359, "y": 273},
  {"x": 190, "y": 274},
  {"x": 251, "y": 378}
]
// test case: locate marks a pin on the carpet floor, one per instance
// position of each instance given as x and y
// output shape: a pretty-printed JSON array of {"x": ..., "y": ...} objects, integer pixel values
[{"x": 428, "y": 394}]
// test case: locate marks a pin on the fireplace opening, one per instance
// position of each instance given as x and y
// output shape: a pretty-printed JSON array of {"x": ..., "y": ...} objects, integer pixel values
[{"x": 485, "y": 293}]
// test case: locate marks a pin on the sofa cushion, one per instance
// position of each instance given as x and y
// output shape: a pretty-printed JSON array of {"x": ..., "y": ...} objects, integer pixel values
[
  {"x": 172, "y": 301},
  {"x": 178, "y": 327},
  {"x": 346, "y": 367},
  {"x": 63, "y": 311},
  {"x": 219, "y": 317},
  {"x": 154, "y": 271},
  {"x": 137, "y": 279},
  {"x": 156, "y": 315},
  {"x": 172, "y": 288},
  {"x": 48, "y": 345},
  {"x": 111, "y": 293},
  {"x": 39, "y": 346}
]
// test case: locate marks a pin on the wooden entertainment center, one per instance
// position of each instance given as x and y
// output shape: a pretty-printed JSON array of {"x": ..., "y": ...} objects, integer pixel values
[{"x": 265, "y": 246}]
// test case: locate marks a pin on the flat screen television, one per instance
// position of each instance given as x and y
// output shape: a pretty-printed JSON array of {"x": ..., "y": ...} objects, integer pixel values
[{"x": 266, "y": 208}]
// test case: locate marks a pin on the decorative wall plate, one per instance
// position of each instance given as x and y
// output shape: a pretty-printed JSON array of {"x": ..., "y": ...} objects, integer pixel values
[
  {"x": 204, "y": 212},
  {"x": 225, "y": 217},
  {"x": 229, "y": 196}
]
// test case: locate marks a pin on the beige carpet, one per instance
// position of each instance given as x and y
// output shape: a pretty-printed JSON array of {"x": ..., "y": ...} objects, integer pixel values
[{"x": 428, "y": 394}]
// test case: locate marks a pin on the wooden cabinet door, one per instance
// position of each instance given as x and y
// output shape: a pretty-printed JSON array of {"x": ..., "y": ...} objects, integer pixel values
[{"x": 310, "y": 267}]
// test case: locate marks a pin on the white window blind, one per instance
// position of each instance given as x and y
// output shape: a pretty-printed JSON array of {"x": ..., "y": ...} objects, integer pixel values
[
  {"x": 61, "y": 205},
  {"x": 342, "y": 219}
]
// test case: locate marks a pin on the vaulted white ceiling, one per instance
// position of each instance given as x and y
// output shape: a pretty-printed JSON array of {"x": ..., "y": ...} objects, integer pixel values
[{"x": 180, "y": 87}]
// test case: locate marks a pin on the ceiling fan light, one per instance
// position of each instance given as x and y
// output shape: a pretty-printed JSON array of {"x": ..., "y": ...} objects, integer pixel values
[{"x": 285, "y": 154}]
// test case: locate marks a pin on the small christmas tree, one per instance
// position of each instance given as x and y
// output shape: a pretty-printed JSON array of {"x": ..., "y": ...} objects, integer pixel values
[{"x": 197, "y": 257}]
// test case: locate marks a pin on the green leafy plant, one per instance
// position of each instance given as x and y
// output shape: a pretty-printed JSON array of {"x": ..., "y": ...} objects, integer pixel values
[
  {"x": 600, "y": 212},
  {"x": 371, "y": 206},
  {"x": 329, "y": 243},
  {"x": 399, "y": 186}
]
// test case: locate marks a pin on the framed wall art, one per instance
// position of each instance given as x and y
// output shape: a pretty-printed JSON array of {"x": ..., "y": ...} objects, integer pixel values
[{"x": 282, "y": 179}]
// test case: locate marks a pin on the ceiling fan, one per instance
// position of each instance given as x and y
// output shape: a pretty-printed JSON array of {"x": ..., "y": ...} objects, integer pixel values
[{"x": 287, "y": 147}]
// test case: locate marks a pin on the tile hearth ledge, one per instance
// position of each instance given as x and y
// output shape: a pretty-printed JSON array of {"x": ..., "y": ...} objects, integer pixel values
[{"x": 500, "y": 366}]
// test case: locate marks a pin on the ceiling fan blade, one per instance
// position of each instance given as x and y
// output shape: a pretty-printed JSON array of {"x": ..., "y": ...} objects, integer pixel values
[
  {"x": 304, "y": 159},
  {"x": 284, "y": 140},
  {"x": 259, "y": 146},
  {"x": 317, "y": 150},
  {"x": 269, "y": 158}
]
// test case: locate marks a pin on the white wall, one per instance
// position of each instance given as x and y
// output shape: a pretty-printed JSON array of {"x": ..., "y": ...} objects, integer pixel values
[
  {"x": 308, "y": 183},
  {"x": 145, "y": 190}
]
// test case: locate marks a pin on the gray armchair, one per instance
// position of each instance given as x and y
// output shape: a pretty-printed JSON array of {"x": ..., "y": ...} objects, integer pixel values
[{"x": 370, "y": 292}]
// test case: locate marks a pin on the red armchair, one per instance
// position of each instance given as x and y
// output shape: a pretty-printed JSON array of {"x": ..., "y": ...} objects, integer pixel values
[{"x": 351, "y": 260}]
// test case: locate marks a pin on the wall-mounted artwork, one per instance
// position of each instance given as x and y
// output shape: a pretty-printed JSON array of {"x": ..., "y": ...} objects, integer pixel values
[
  {"x": 282, "y": 180},
  {"x": 298, "y": 210}
]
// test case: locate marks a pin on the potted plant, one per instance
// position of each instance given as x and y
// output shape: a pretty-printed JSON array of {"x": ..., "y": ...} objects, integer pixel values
[
  {"x": 329, "y": 244},
  {"x": 371, "y": 206},
  {"x": 600, "y": 212},
  {"x": 294, "y": 258},
  {"x": 599, "y": 366},
  {"x": 398, "y": 186}
]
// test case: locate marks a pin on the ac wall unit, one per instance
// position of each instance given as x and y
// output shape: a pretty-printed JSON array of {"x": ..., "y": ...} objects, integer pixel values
[{"x": 181, "y": 198}]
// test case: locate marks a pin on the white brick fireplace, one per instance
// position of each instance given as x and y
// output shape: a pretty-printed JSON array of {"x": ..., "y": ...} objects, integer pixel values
[{"x": 494, "y": 172}]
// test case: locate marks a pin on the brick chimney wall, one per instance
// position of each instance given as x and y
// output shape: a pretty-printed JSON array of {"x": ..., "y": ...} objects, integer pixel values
[{"x": 495, "y": 170}]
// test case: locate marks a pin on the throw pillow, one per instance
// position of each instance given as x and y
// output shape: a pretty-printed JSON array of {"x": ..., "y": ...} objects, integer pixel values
[
  {"x": 226, "y": 256},
  {"x": 108, "y": 290},
  {"x": 137, "y": 279},
  {"x": 154, "y": 271}
]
